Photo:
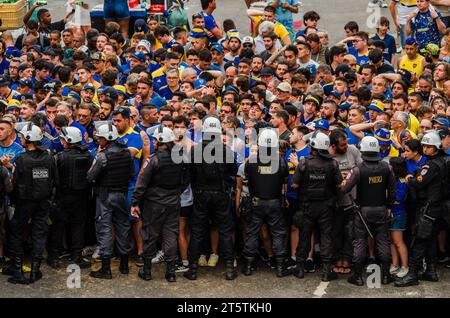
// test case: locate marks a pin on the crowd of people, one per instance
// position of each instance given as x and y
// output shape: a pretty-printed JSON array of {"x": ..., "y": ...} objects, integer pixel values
[{"x": 194, "y": 144}]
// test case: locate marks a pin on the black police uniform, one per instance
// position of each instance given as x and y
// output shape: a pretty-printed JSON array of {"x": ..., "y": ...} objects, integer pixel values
[
  {"x": 5, "y": 187},
  {"x": 317, "y": 177},
  {"x": 34, "y": 179},
  {"x": 265, "y": 184},
  {"x": 211, "y": 182},
  {"x": 159, "y": 185},
  {"x": 430, "y": 185},
  {"x": 73, "y": 193},
  {"x": 112, "y": 171},
  {"x": 375, "y": 183}
]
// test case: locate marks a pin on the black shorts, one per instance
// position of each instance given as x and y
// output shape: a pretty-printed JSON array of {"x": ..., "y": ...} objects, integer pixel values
[
  {"x": 2, "y": 228},
  {"x": 186, "y": 211},
  {"x": 290, "y": 211}
]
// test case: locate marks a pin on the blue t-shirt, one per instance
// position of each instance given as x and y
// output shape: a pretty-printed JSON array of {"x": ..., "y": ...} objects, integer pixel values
[
  {"x": 389, "y": 43},
  {"x": 210, "y": 24},
  {"x": 284, "y": 16},
  {"x": 133, "y": 140},
  {"x": 400, "y": 196},
  {"x": 292, "y": 193},
  {"x": 360, "y": 59},
  {"x": 11, "y": 152},
  {"x": 411, "y": 165}
]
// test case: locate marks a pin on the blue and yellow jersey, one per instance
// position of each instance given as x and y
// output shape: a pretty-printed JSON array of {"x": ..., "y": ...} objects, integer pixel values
[
  {"x": 133, "y": 141},
  {"x": 304, "y": 152}
]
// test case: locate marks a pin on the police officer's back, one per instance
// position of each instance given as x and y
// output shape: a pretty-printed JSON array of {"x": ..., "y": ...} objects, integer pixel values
[
  {"x": 33, "y": 181},
  {"x": 72, "y": 195},
  {"x": 111, "y": 173},
  {"x": 376, "y": 188},
  {"x": 212, "y": 167},
  {"x": 266, "y": 173},
  {"x": 317, "y": 177},
  {"x": 160, "y": 184}
]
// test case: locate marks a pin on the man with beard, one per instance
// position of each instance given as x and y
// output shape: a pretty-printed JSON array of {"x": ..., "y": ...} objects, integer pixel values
[
  {"x": 106, "y": 108},
  {"x": 441, "y": 74},
  {"x": 270, "y": 40},
  {"x": 234, "y": 46},
  {"x": 218, "y": 57},
  {"x": 256, "y": 66},
  {"x": 424, "y": 87}
]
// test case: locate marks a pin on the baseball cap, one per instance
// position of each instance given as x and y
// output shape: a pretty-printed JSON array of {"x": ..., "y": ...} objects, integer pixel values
[
  {"x": 314, "y": 99},
  {"x": 322, "y": 124},
  {"x": 75, "y": 96},
  {"x": 442, "y": 121},
  {"x": 377, "y": 106},
  {"x": 120, "y": 89},
  {"x": 108, "y": 91},
  {"x": 383, "y": 136},
  {"x": 88, "y": 87},
  {"x": 145, "y": 44},
  {"x": 335, "y": 94},
  {"x": 430, "y": 48},
  {"x": 248, "y": 39},
  {"x": 285, "y": 87},
  {"x": 196, "y": 33},
  {"x": 233, "y": 34},
  {"x": 26, "y": 82},
  {"x": 13, "y": 104},
  {"x": 345, "y": 106},
  {"x": 267, "y": 71},
  {"x": 219, "y": 48},
  {"x": 140, "y": 26},
  {"x": 139, "y": 56},
  {"x": 100, "y": 56},
  {"x": 199, "y": 83},
  {"x": 406, "y": 76},
  {"x": 37, "y": 48}
]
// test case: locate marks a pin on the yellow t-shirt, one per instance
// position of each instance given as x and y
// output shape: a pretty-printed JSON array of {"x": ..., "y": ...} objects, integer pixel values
[
  {"x": 414, "y": 66},
  {"x": 279, "y": 29},
  {"x": 413, "y": 124},
  {"x": 409, "y": 3}
]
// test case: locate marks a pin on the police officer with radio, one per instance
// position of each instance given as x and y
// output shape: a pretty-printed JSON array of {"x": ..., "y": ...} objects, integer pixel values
[
  {"x": 72, "y": 194},
  {"x": 33, "y": 184},
  {"x": 267, "y": 174},
  {"x": 430, "y": 185},
  {"x": 111, "y": 173},
  {"x": 159, "y": 185},
  {"x": 212, "y": 168},
  {"x": 317, "y": 178},
  {"x": 375, "y": 194}
]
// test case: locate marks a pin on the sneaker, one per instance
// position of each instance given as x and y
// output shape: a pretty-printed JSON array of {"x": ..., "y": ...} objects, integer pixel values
[
  {"x": 271, "y": 262},
  {"x": 180, "y": 268},
  {"x": 88, "y": 250},
  {"x": 235, "y": 264},
  {"x": 393, "y": 270},
  {"x": 443, "y": 258},
  {"x": 372, "y": 3},
  {"x": 383, "y": 3},
  {"x": 213, "y": 259},
  {"x": 402, "y": 272},
  {"x": 290, "y": 263},
  {"x": 96, "y": 255},
  {"x": 159, "y": 258},
  {"x": 202, "y": 261},
  {"x": 309, "y": 266}
]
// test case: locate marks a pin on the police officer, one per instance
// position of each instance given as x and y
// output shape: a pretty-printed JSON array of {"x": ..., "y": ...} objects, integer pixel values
[
  {"x": 375, "y": 195},
  {"x": 112, "y": 171},
  {"x": 160, "y": 184},
  {"x": 267, "y": 173},
  {"x": 72, "y": 194},
  {"x": 317, "y": 177},
  {"x": 33, "y": 181},
  {"x": 430, "y": 185},
  {"x": 212, "y": 166}
]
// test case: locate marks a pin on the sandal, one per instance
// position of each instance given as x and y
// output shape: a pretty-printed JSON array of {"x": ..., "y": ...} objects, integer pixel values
[
  {"x": 338, "y": 269},
  {"x": 346, "y": 270}
]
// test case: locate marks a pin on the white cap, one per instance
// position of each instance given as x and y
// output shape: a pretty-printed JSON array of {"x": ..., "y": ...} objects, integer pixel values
[
  {"x": 369, "y": 144},
  {"x": 319, "y": 141},
  {"x": 145, "y": 44},
  {"x": 71, "y": 135},
  {"x": 163, "y": 134},
  {"x": 107, "y": 131},
  {"x": 268, "y": 138},
  {"x": 432, "y": 138},
  {"x": 212, "y": 125},
  {"x": 248, "y": 39},
  {"x": 31, "y": 132}
]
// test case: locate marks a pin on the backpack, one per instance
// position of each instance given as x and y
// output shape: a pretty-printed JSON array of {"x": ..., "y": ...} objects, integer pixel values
[{"x": 178, "y": 17}]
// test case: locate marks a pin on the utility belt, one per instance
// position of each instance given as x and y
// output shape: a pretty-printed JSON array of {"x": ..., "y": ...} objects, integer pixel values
[
  {"x": 102, "y": 192},
  {"x": 424, "y": 224},
  {"x": 258, "y": 201}
]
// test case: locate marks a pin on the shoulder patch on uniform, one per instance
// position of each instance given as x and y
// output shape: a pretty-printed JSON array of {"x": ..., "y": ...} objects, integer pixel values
[{"x": 419, "y": 179}]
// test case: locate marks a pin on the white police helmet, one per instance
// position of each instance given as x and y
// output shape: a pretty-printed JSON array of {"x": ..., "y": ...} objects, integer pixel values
[
  {"x": 319, "y": 141},
  {"x": 212, "y": 125},
  {"x": 369, "y": 144},
  {"x": 163, "y": 134},
  {"x": 268, "y": 138},
  {"x": 107, "y": 131},
  {"x": 71, "y": 135},
  {"x": 31, "y": 132},
  {"x": 432, "y": 138}
]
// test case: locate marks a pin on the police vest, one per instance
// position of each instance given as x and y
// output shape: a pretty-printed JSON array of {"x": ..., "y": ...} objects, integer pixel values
[
  {"x": 209, "y": 175},
  {"x": 373, "y": 183},
  {"x": 265, "y": 180},
  {"x": 117, "y": 174},
  {"x": 318, "y": 178},
  {"x": 435, "y": 192},
  {"x": 168, "y": 175},
  {"x": 75, "y": 164},
  {"x": 35, "y": 176}
]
